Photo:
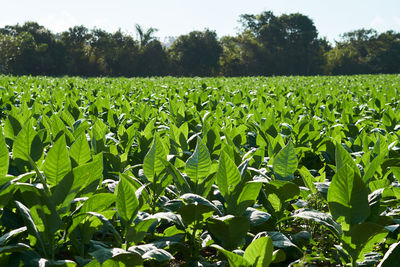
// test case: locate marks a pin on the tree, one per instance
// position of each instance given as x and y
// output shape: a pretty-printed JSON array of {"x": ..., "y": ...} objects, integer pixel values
[
  {"x": 288, "y": 44},
  {"x": 364, "y": 51},
  {"x": 196, "y": 54},
  {"x": 145, "y": 36},
  {"x": 75, "y": 41},
  {"x": 16, "y": 53}
]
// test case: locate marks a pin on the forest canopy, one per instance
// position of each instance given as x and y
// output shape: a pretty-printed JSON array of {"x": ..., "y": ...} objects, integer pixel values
[{"x": 267, "y": 44}]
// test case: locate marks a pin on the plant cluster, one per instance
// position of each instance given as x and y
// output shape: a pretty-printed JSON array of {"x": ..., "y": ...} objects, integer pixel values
[{"x": 200, "y": 172}]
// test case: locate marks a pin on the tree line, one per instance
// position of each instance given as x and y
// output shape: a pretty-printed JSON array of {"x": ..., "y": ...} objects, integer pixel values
[{"x": 266, "y": 45}]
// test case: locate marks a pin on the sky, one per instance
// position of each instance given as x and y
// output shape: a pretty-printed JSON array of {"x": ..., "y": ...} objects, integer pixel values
[{"x": 176, "y": 17}]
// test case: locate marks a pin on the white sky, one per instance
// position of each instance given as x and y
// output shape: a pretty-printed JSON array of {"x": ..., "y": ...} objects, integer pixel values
[{"x": 176, "y": 17}]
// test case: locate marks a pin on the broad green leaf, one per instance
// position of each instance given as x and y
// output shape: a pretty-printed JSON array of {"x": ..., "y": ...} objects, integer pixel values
[
  {"x": 98, "y": 202},
  {"x": 228, "y": 176},
  {"x": 27, "y": 144},
  {"x": 157, "y": 254},
  {"x": 153, "y": 161},
  {"x": 247, "y": 197},
  {"x": 4, "y": 156},
  {"x": 84, "y": 177},
  {"x": 169, "y": 217},
  {"x": 234, "y": 260},
  {"x": 285, "y": 163},
  {"x": 127, "y": 203},
  {"x": 279, "y": 192},
  {"x": 80, "y": 150},
  {"x": 362, "y": 238},
  {"x": 11, "y": 127},
  {"x": 196, "y": 199},
  {"x": 373, "y": 167},
  {"x": 195, "y": 213},
  {"x": 115, "y": 256},
  {"x": 256, "y": 217},
  {"x": 139, "y": 231},
  {"x": 308, "y": 179},
  {"x": 198, "y": 165},
  {"x": 343, "y": 157},
  {"x": 348, "y": 198},
  {"x": 57, "y": 163},
  {"x": 259, "y": 252},
  {"x": 229, "y": 231},
  {"x": 281, "y": 241}
]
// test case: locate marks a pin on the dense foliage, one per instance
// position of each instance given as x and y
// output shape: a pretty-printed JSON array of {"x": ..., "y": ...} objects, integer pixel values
[
  {"x": 202, "y": 172},
  {"x": 265, "y": 45}
]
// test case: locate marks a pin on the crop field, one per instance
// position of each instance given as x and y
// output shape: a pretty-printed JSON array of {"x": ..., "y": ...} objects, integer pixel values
[{"x": 300, "y": 171}]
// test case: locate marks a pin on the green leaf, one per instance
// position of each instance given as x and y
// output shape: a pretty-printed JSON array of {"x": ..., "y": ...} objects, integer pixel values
[
  {"x": 7, "y": 236},
  {"x": 391, "y": 257},
  {"x": 27, "y": 144},
  {"x": 84, "y": 177},
  {"x": 4, "y": 156},
  {"x": 196, "y": 199},
  {"x": 372, "y": 168},
  {"x": 234, "y": 260},
  {"x": 348, "y": 198},
  {"x": 285, "y": 163},
  {"x": 228, "y": 176},
  {"x": 195, "y": 213},
  {"x": 11, "y": 127},
  {"x": 247, "y": 197},
  {"x": 14, "y": 248},
  {"x": 343, "y": 157},
  {"x": 57, "y": 163},
  {"x": 308, "y": 179},
  {"x": 229, "y": 231},
  {"x": 319, "y": 217},
  {"x": 256, "y": 217},
  {"x": 107, "y": 224},
  {"x": 138, "y": 232},
  {"x": 127, "y": 203},
  {"x": 114, "y": 256},
  {"x": 259, "y": 252},
  {"x": 198, "y": 165},
  {"x": 98, "y": 202},
  {"x": 280, "y": 192},
  {"x": 80, "y": 150},
  {"x": 157, "y": 254},
  {"x": 89, "y": 172},
  {"x": 153, "y": 161},
  {"x": 362, "y": 238},
  {"x": 29, "y": 222},
  {"x": 396, "y": 172}
]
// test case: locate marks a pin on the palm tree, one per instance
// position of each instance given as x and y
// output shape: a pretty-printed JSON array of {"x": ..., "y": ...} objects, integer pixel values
[{"x": 145, "y": 36}]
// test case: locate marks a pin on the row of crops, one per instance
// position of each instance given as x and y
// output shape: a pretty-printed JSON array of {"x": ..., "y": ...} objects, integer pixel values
[{"x": 200, "y": 172}]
